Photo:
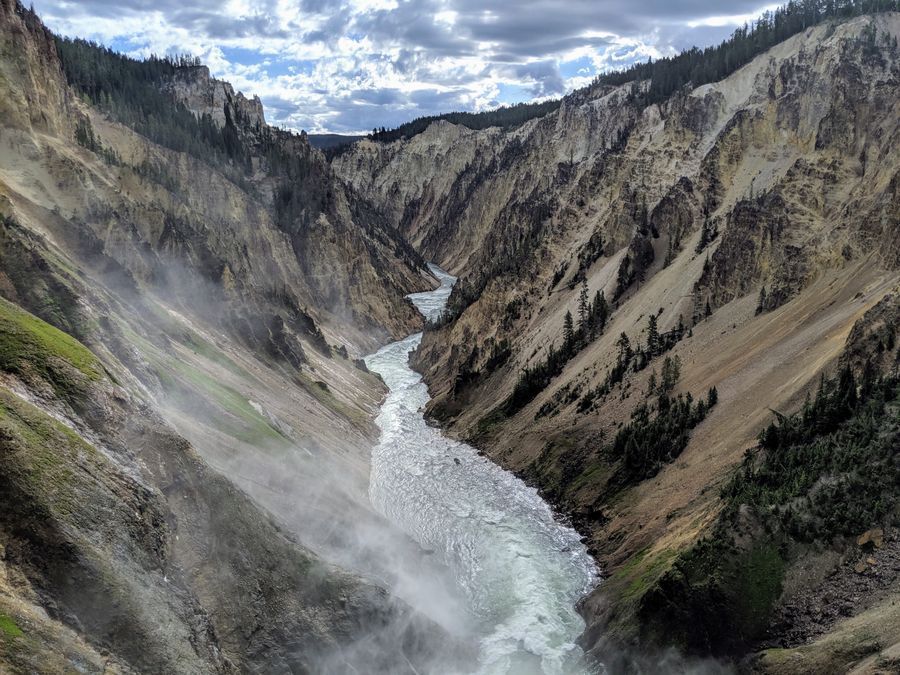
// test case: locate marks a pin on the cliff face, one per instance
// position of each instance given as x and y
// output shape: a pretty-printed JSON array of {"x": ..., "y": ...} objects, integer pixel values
[
  {"x": 775, "y": 126},
  {"x": 264, "y": 233},
  {"x": 756, "y": 219},
  {"x": 349, "y": 267},
  {"x": 36, "y": 87},
  {"x": 177, "y": 367},
  {"x": 205, "y": 95}
]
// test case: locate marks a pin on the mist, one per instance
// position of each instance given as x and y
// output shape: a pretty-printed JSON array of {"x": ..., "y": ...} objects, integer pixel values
[
  {"x": 285, "y": 444},
  {"x": 479, "y": 575}
]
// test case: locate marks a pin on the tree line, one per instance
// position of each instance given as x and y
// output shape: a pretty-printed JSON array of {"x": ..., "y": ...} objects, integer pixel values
[
  {"x": 505, "y": 117},
  {"x": 132, "y": 93},
  {"x": 701, "y": 66},
  {"x": 636, "y": 358},
  {"x": 666, "y": 76},
  {"x": 579, "y": 331}
]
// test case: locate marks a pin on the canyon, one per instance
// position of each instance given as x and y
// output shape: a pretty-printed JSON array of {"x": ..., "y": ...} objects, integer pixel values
[{"x": 204, "y": 390}]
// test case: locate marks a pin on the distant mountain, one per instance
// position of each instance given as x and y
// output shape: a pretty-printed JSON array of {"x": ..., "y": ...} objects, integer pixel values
[
  {"x": 504, "y": 117},
  {"x": 665, "y": 76},
  {"x": 328, "y": 141}
]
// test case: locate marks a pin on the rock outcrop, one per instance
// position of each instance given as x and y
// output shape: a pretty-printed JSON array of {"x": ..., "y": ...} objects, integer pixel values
[{"x": 205, "y": 95}]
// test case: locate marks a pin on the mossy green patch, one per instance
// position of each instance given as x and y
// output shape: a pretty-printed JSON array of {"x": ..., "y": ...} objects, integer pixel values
[
  {"x": 29, "y": 346},
  {"x": 190, "y": 388},
  {"x": 42, "y": 451},
  {"x": 635, "y": 560},
  {"x": 9, "y": 628},
  {"x": 644, "y": 570},
  {"x": 235, "y": 416},
  {"x": 596, "y": 473},
  {"x": 629, "y": 586},
  {"x": 778, "y": 655},
  {"x": 715, "y": 596}
]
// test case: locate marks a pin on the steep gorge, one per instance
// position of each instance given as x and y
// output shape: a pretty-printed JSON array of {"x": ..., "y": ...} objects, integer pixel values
[
  {"x": 186, "y": 424},
  {"x": 754, "y": 219}
]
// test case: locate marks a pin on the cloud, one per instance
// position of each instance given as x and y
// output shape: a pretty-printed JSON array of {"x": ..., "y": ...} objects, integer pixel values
[{"x": 349, "y": 65}]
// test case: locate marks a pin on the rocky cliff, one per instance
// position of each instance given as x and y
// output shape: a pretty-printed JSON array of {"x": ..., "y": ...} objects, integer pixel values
[
  {"x": 179, "y": 335},
  {"x": 676, "y": 317},
  {"x": 739, "y": 233},
  {"x": 205, "y": 95}
]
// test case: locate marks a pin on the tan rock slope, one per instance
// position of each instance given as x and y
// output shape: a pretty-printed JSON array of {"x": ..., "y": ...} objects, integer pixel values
[
  {"x": 761, "y": 213},
  {"x": 184, "y": 427}
]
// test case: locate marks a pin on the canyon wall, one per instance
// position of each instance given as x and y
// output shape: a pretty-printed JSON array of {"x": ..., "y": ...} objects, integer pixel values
[
  {"x": 184, "y": 419},
  {"x": 755, "y": 221}
]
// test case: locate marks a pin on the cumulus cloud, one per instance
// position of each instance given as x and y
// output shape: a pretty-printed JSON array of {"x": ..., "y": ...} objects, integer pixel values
[{"x": 347, "y": 66}]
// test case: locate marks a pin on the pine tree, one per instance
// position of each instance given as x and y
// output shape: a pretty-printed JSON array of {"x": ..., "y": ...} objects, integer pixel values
[
  {"x": 671, "y": 371},
  {"x": 670, "y": 252},
  {"x": 568, "y": 332},
  {"x": 583, "y": 307},
  {"x": 625, "y": 352},
  {"x": 807, "y": 408},
  {"x": 696, "y": 299},
  {"x": 846, "y": 392},
  {"x": 600, "y": 311},
  {"x": 624, "y": 277},
  {"x": 869, "y": 380},
  {"x": 761, "y": 303},
  {"x": 704, "y": 236},
  {"x": 654, "y": 344}
]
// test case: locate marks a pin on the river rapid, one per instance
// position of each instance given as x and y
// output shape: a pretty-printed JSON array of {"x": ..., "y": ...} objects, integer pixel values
[{"x": 518, "y": 571}]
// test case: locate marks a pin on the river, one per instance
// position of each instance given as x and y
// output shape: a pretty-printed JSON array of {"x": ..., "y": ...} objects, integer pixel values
[{"x": 519, "y": 571}]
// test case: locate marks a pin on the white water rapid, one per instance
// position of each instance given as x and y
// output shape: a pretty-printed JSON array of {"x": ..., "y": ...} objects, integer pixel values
[{"x": 519, "y": 571}]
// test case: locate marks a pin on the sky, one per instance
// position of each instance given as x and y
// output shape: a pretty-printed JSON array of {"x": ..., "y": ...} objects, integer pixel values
[{"x": 346, "y": 66}]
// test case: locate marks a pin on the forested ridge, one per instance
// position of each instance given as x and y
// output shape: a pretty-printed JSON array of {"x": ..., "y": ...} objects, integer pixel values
[
  {"x": 701, "y": 66},
  {"x": 693, "y": 67},
  {"x": 818, "y": 478},
  {"x": 505, "y": 117},
  {"x": 131, "y": 92},
  {"x": 134, "y": 93}
]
